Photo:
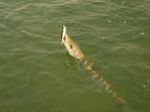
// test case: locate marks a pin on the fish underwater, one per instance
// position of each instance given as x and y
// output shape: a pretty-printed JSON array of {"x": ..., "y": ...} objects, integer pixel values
[{"x": 75, "y": 52}]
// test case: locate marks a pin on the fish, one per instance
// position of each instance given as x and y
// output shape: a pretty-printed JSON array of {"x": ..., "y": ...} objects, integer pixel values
[{"x": 76, "y": 53}]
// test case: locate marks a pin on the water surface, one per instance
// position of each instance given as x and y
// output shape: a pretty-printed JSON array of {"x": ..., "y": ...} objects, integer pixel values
[{"x": 38, "y": 75}]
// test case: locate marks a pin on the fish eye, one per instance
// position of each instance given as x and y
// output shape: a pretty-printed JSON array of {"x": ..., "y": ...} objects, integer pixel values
[
  {"x": 71, "y": 46},
  {"x": 64, "y": 38}
]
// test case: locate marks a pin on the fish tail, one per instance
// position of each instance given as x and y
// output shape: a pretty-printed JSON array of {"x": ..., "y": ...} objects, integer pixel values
[
  {"x": 107, "y": 87},
  {"x": 118, "y": 100},
  {"x": 103, "y": 83}
]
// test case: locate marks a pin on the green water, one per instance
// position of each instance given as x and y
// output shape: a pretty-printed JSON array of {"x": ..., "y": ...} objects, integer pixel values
[{"x": 38, "y": 75}]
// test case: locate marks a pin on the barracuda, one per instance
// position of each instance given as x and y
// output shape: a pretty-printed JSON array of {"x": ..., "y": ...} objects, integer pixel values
[{"x": 75, "y": 52}]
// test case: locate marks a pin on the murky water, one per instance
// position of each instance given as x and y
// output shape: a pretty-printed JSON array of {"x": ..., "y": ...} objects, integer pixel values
[{"x": 38, "y": 75}]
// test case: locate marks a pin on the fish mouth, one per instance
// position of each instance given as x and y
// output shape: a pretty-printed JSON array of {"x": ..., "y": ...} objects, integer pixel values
[{"x": 63, "y": 34}]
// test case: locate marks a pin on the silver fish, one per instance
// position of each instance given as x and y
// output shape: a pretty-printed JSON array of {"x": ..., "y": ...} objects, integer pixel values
[{"x": 75, "y": 52}]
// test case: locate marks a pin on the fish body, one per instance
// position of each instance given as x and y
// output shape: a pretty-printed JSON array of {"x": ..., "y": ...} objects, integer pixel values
[{"x": 75, "y": 52}]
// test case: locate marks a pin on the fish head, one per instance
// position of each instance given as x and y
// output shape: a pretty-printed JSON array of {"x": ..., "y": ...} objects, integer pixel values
[
  {"x": 71, "y": 46},
  {"x": 63, "y": 35},
  {"x": 67, "y": 42}
]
